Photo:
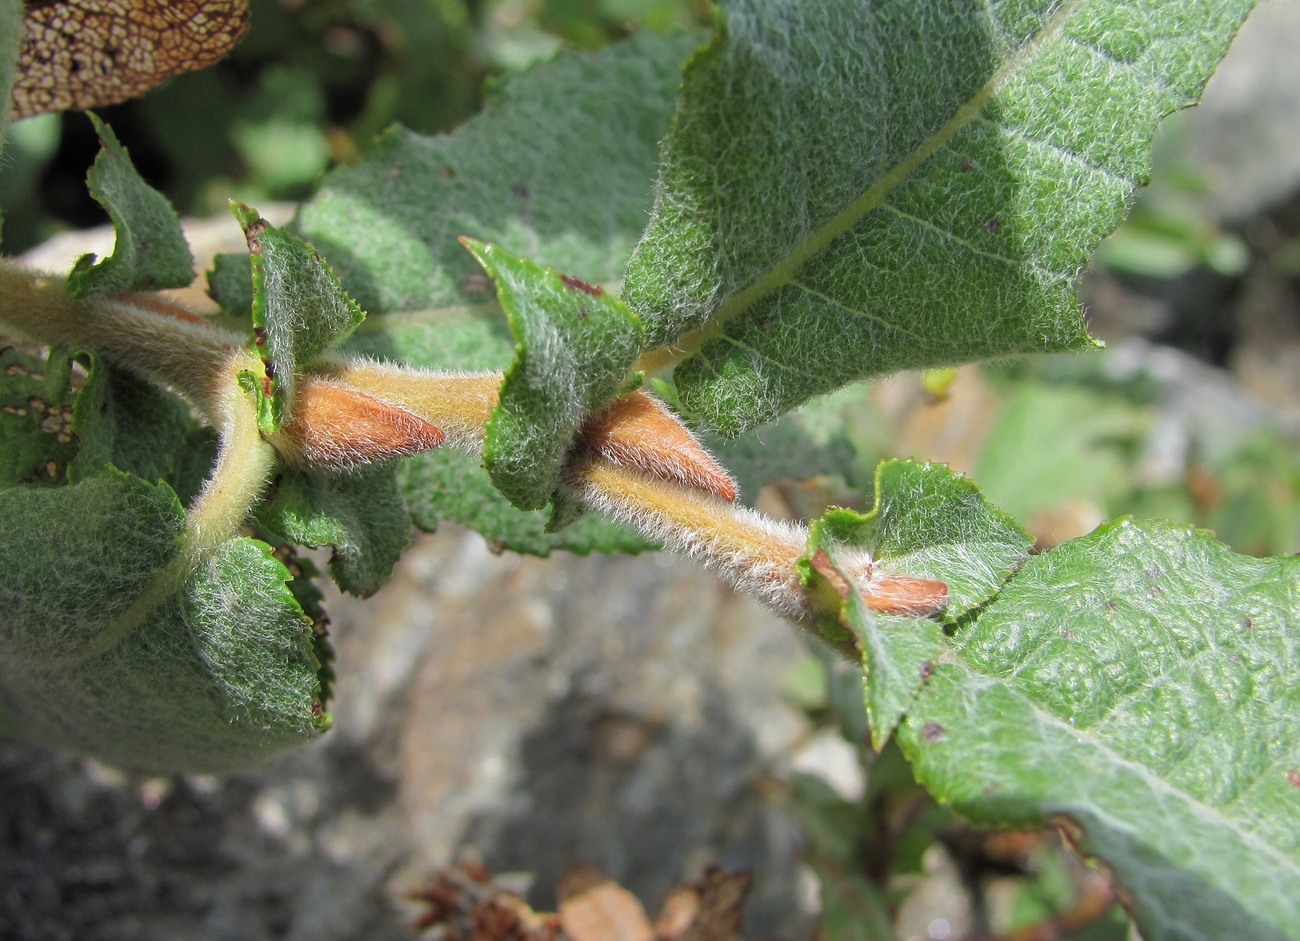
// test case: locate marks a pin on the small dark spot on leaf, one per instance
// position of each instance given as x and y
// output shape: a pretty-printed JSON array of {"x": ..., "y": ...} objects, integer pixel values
[
  {"x": 1293, "y": 776},
  {"x": 521, "y": 190},
  {"x": 993, "y": 225},
  {"x": 1153, "y": 572},
  {"x": 446, "y": 172},
  {"x": 1111, "y": 605},
  {"x": 966, "y": 165},
  {"x": 583, "y": 313},
  {"x": 1247, "y": 624},
  {"x": 259, "y": 336},
  {"x": 927, "y": 670},
  {"x": 1067, "y": 635},
  {"x": 317, "y": 710},
  {"x": 933, "y": 732},
  {"x": 270, "y": 369},
  {"x": 577, "y": 284}
]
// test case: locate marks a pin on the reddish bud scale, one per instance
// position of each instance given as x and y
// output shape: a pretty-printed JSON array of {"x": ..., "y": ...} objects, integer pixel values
[
  {"x": 333, "y": 426},
  {"x": 638, "y": 431},
  {"x": 883, "y": 593}
]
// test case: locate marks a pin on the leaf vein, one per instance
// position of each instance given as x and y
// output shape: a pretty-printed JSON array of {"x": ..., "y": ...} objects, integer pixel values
[
  {"x": 1065, "y": 154},
  {"x": 1158, "y": 785},
  {"x": 1149, "y": 79},
  {"x": 874, "y": 196},
  {"x": 854, "y": 312},
  {"x": 1018, "y": 264}
]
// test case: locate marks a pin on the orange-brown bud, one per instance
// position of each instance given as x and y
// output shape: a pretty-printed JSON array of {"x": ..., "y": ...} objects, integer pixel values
[
  {"x": 334, "y": 426},
  {"x": 638, "y": 431},
  {"x": 883, "y": 593}
]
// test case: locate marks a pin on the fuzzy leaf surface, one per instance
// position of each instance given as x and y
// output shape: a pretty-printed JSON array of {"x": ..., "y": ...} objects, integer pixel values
[
  {"x": 829, "y": 435},
  {"x": 124, "y": 421},
  {"x": 150, "y": 251},
  {"x": 574, "y": 198},
  {"x": 851, "y": 189},
  {"x": 575, "y": 348},
  {"x": 1139, "y": 685},
  {"x": 299, "y": 310},
  {"x": 559, "y": 168},
  {"x": 215, "y": 671},
  {"x": 452, "y": 486},
  {"x": 360, "y": 514},
  {"x": 931, "y": 523},
  {"x": 927, "y": 522}
]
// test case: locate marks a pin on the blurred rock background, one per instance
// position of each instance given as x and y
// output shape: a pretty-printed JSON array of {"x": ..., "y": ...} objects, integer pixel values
[{"x": 630, "y": 712}]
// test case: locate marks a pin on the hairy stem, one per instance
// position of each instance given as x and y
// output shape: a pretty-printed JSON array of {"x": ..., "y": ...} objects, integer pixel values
[
  {"x": 458, "y": 403},
  {"x": 754, "y": 553},
  {"x": 244, "y": 466},
  {"x": 632, "y": 460},
  {"x": 143, "y": 333}
]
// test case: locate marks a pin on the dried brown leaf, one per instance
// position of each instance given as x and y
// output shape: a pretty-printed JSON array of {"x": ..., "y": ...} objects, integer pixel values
[
  {"x": 80, "y": 54},
  {"x": 594, "y": 907},
  {"x": 466, "y": 905}
]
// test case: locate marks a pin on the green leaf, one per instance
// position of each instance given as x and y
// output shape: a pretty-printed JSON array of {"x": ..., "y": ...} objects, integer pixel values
[
  {"x": 150, "y": 252},
  {"x": 1053, "y": 442},
  {"x": 360, "y": 514},
  {"x": 851, "y": 189},
  {"x": 576, "y": 347},
  {"x": 36, "y": 406},
  {"x": 299, "y": 311},
  {"x": 927, "y": 522},
  {"x": 1140, "y": 686},
  {"x": 230, "y": 283},
  {"x": 931, "y": 523},
  {"x": 213, "y": 672},
  {"x": 853, "y": 907},
  {"x": 450, "y": 485},
  {"x": 121, "y": 420},
  {"x": 559, "y": 167},
  {"x": 59, "y": 424}
]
